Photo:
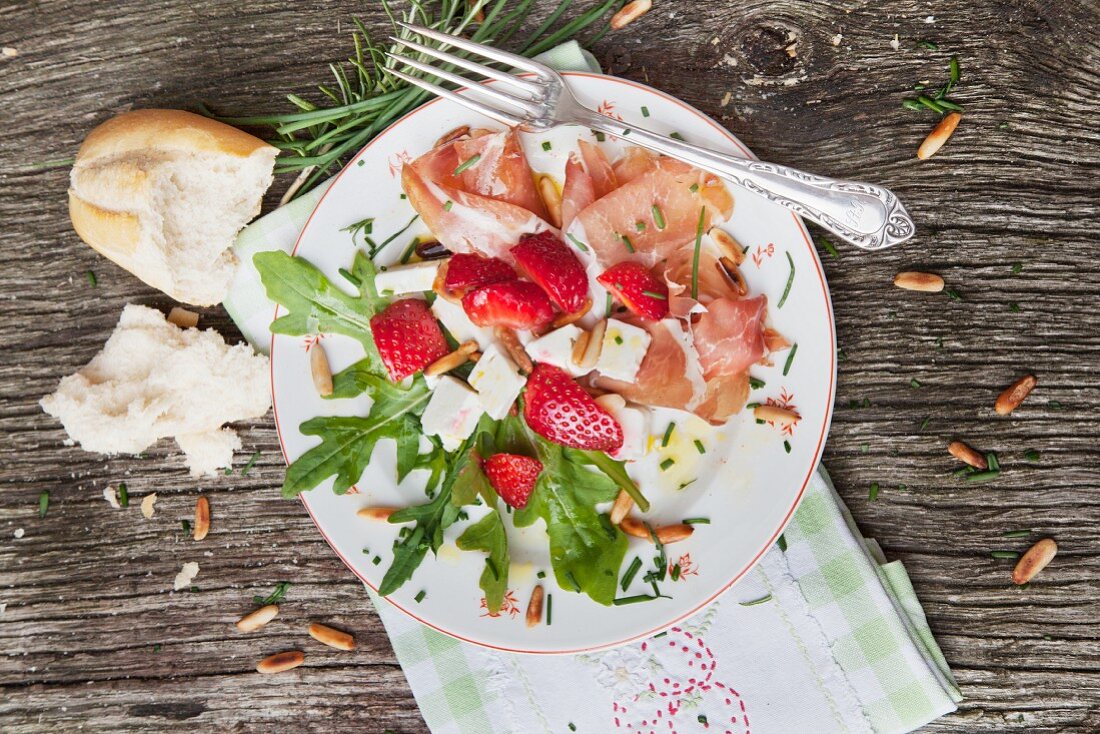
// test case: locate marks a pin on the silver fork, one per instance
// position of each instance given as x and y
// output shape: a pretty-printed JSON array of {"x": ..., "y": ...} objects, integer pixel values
[{"x": 868, "y": 216}]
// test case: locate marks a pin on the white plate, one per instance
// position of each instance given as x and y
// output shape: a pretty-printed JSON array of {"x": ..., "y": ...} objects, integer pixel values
[{"x": 748, "y": 482}]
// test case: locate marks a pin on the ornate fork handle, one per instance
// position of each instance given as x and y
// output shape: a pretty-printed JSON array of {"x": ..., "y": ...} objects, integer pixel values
[{"x": 868, "y": 216}]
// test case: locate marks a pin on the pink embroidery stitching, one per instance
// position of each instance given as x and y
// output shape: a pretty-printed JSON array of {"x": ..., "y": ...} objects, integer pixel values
[
  {"x": 509, "y": 606},
  {"x": 786, "y": 400},
  {"x": 397, "y": 161},
  {"x": 762, "y": 252}
]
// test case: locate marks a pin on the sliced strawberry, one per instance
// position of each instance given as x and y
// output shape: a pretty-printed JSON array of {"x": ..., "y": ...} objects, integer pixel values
[
  {"x": 513, "y": 477},
  {"x": 558, "y": 409},
  {"x": 468, "y": 271},
  {"x": 640, "y": 290},
  {"x": 408, "y": 337},
  {"x": 516, "y": 304},
  {"x": 546, "y": 260}
]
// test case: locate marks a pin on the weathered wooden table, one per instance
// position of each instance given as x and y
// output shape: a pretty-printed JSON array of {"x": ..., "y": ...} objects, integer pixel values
[{"x": 92, "y": 639}]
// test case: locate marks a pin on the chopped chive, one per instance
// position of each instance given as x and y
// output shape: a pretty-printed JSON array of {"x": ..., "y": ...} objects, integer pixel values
[
  {"x": 830, "y": 247},
  {"x": 572, "y": 726},
  {"x": 1017, "y": 533},
  {"x": 702, "y": 719},
  {"x": 1054, "y": 405},
  {"x": 790, "y": 359},
  {"x": 91, "y": 278},
  {"x": 1011, "y": 555},
  {"x": 655, "y": 294},
  {"x": 782, "y": 542},
  {"x": 623, "y": 600},
  {"x": 645, "y": 111},
  {"x": 912, "y": 104},
  {"x": 915, "y": 383},
  {"x": 1014, "y": 307},
  {"x": 1004, "y": 126},
  {"x": 361, "y": 163},
  {"x": 583, "y": 247},
  {"x": 546, "y": 145},
  {"x": 790, "y": 281},
  {"x": 156, "y": 648},
  {"x": 666, "y": 464},
  {"x": 123, "y": 495},
  {"x": 924, "y": 423},
  {"x": 700, "y": 447},
  {"x": 541, "y": 574},
  {"x": 43, "y": 503},
  {"x": 627, "y": 243},
  {"x": 186, "y": 525},
  {"x": 982, "y": 476},
  {"x": 1031, "y": 455},
  {"x": 953, "y": 294},
  {"x": 618, "y": 339},
  {"x": 600, "y": 137},
  {"x": 626, "y": 131},
  {"x": 696, "y": 521},
  {"x": 754, "y": 602},
  {"x": 376, "y": 560},
  {"x": 420, "y": 596},
  {"x": 695, "y": 255},
  {"x": 674, "y": 572},
  {"x": 934, "y": 106},
  {"x": 756, "y": 383},
  {"x": 687, "y": 484},
  {"x": 250, "y": 463},
  {"x": 953, "y": 70},
  {"x": 447, "y": 205},
  {"x": 676, "y": 136},
  {"x": 404, "y": 196},
  {"x": 964, "y": 471},
  {"x": 658, "y": 217},
  {"x": 472, "y": 160},
  {"x": 930, "y": 45},
  {"x": 787, "y": 446},
  {"x": 409, "y": 250},
  {"x": 949, "y": 105},
  {"x": 350, "y": 278},
  {"x": 693, "y": 188},
  {"x": 631, "y": 572},
  {"x": 573, "y": 580},
  {"x": 228, "y": 470},
  {"x": 639, "y": 225},
  {"x": 992, "y": 462},
  {"x": 549, "y": 609},
  {"x": 668, "y": 434},
  {"x": 873, "y": 494}
]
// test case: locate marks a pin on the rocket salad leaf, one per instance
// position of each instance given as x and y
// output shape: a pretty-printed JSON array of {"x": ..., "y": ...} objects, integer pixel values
[{"x": 488, "y": 534}]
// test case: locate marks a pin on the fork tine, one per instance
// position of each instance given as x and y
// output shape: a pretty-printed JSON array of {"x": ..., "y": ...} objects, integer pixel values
[
  {"x": 487, "y": 51},
  {"x": 465, "y": 101},
  {"x": 487, "y": 71},
  {"x": 527, "y": 106}
]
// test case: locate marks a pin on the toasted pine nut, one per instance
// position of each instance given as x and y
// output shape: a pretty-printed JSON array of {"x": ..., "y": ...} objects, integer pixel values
[
  {"x": 534, "y": 607},
  {"x": 320, "y": 369},
  {"x": 939, "y": 135},
  {"x": 594, "y": 346},
  {"x": 623, "y": 504},
  {"x": 569, "y": 318},
  {"x": 665, "y": 533},
  {"x": 548, "y": 190},
  {"x": 1014, "y": 394},
  {"x": 775, "y": 414},
  {"x": 727, "y": 244},
  {"x": 202, "y": 518},
  {"x": 376, "y": 513},
  {"x": 448, "y": 362},
  {"x": 967, "y": 455},
  {"x": 183, "y": 318},
  {"x": 630, "y": 13},
  {"x": 474, "y": 356},
  {"x": 281, "y": 662},
  {"x": 734, "y": 278},
  {"x": 439, "y": 289},
  {"x": 462, "y": 131},
  {"x": 1034, "y": 560},
  {"x": 515, "y": 350},
  {"x": 257, "y": 618},
  {"x": 914, "y": 281},
  {"x": 580, "y": 347},
  {"x": 332, "y": 637}
]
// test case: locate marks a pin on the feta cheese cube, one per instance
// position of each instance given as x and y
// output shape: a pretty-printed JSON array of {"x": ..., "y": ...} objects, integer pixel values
[
  {"x": 454, "y": 319},
  {"x": 497, "y": 380},
  {"x": 452, "y": 412},
  {"x": 397, "y": 280},
  {"x": 624, "y": 347},
  {"x": 556, "y": 348}
]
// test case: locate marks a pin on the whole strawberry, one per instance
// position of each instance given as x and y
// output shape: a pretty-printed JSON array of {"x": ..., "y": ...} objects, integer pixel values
[
  {"x": 513, "y": 476},
  {"x": 559, "y": 410},
  {"x": 640, "y": 290},
  {"x": 516, "y": 304},
  {"x": 546, "y": 260},
  {"x": 408, "y": 337},
  {"x": 467, "y": 271}
]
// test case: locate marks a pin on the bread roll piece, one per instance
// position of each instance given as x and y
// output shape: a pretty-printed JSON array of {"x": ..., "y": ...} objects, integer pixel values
[{"x": 164, "y": 192}]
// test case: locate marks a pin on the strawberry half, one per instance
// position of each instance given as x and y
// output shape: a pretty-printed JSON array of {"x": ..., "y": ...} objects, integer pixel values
[
  {"x": 408, "y": 337},
  {"x": 513, "y": 476},
  {"x": 559, "y": 410},
  {"x": 516, "y": 304},
  {"x": 640, "y": 290},
  {"x": 469, "y": 271},
  {"x": 546, "y": 260}
]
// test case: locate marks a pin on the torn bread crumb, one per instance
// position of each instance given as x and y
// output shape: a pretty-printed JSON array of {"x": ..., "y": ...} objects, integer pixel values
[
  {"x": 111, "y": 496},
  {"x": 147, "y": 503},
  {"x": 186, "y": 575}
]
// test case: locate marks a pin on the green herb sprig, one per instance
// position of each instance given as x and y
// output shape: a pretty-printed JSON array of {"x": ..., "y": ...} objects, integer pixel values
[{"x": 937, "y": 100}]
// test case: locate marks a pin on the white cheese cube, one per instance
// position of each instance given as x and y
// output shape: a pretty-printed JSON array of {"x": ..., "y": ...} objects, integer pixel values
[
  {"x": 452, "y": 412},
  {"x": 497, "y": 380},
  {"x": 624, "y": 348},
  {"x": 459, "y": 325},
  {"x": 398, "y": 280},
  {"x": 556, "y": 348},
  {"x": 635, "y": 425}
]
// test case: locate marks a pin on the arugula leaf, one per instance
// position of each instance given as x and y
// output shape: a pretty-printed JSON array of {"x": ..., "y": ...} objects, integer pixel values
[
  {"x": 469, "y": 481},
  {"x": 314, "y": 304},
  {"x": 348, "y": 442},
  {"x": 431, "y": 520},
  {"x": 616, "y": 470},
  {"x": 488, "y": 534},
  {"x": 586, "y": 550}
]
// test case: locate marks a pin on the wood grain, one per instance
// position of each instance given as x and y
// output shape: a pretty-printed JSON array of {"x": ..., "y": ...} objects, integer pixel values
[{"x": 93, "y": 638}]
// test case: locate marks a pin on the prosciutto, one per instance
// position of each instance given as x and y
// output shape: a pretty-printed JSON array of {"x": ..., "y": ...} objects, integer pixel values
[{"x": 587, "y": 178}]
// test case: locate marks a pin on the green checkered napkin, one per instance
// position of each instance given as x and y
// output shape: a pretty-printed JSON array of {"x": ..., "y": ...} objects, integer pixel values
[{"x": 840, "y": 644}]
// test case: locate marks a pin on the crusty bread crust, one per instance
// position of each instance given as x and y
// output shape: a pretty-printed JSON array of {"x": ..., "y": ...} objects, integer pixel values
[
  {"x": 115, "y": 235},
  {"x": 166, "y": 130}
]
